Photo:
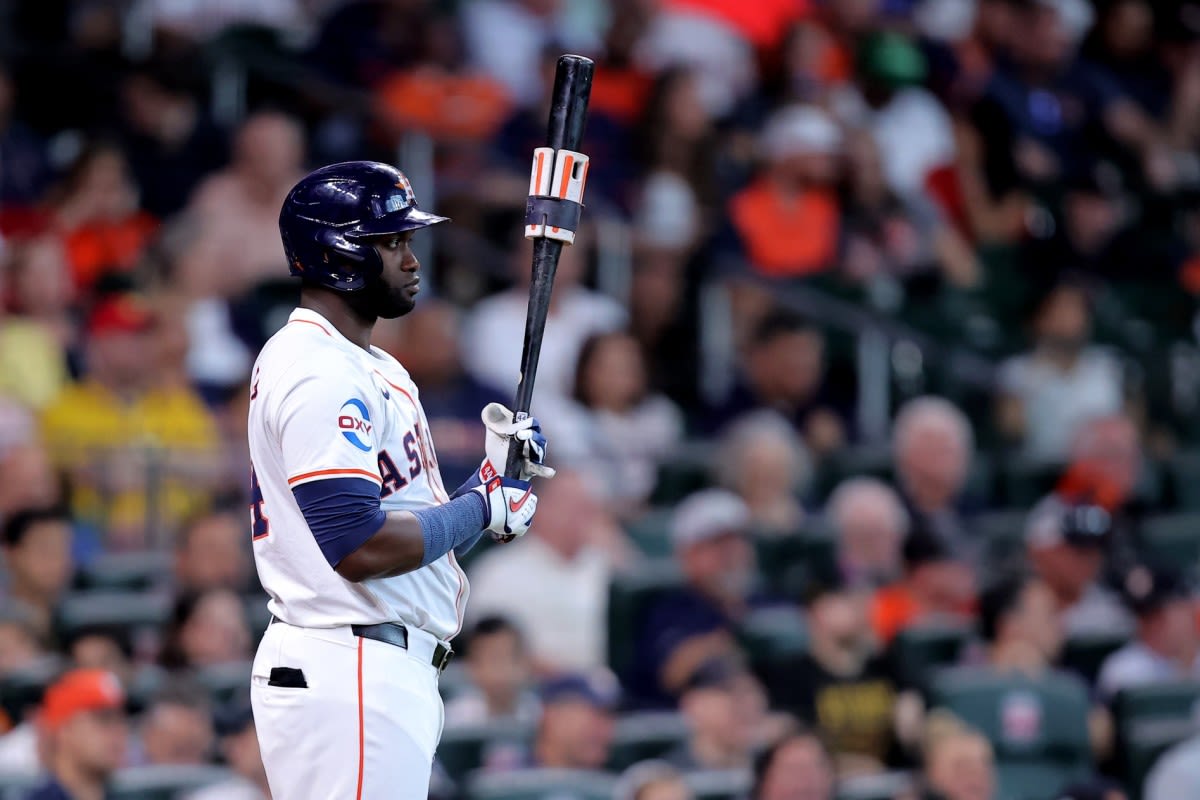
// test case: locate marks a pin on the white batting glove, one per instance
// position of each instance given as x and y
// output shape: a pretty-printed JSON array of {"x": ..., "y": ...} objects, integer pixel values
[
  {"x": 498, "y": 421},
  {"x": 510, "y": 503}
]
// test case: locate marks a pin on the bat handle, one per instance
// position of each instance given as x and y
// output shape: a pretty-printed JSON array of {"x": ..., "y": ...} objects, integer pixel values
[{"x": 513, "y": 468}]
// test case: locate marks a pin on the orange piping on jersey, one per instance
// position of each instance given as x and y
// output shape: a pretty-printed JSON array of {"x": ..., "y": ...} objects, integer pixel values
[
  {"x": 399, "y": 389},
  {"x": 310, "y": 322},
  {"x": 361, "y": 753},
  {"x": 317, "y": 473},
  {"x": 459, "y": 609}
]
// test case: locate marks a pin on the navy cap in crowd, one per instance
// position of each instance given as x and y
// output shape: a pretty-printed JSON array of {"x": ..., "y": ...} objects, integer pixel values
[
  {"x": 596, "y": 688},
  {"x": 1146, "y": 589}
]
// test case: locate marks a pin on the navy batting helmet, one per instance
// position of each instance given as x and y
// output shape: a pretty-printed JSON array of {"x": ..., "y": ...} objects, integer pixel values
[{"x": 330, "y": 211}]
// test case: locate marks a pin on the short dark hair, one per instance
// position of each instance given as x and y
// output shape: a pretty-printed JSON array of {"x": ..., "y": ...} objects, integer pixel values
[
  {"x": 998, "y": 600},
  {"x": 489, "y": 626},
  {"x": 18, "y": 524},
  {"x": 764, "y": 760},
  {"x": 780, "y": 322}
]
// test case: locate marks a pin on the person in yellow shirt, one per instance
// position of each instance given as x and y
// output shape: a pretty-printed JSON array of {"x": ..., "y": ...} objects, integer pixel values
[{"x": 140, "y": 453}]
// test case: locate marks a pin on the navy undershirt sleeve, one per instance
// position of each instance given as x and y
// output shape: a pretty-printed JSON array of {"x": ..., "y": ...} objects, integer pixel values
[{"x": 342, "y": 513}]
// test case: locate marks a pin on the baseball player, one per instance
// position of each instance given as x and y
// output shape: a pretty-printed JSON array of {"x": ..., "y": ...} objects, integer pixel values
[{"x": 355, "y": 538}]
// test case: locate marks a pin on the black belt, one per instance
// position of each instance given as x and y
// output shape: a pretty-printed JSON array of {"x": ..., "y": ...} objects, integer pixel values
[{"x": 394, "y": 633}]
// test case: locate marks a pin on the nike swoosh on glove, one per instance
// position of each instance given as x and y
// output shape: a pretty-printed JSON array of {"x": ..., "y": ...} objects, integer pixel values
[{"x": 510, "y": 504}]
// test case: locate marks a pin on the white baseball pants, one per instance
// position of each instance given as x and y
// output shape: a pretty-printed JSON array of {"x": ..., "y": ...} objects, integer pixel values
[{"x": 365, "y": 728}]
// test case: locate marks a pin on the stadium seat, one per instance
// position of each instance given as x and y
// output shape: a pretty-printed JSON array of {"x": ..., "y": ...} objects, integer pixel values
[
  {"x": 1023, "y": 483},
  {"x": 645, "y": 735},
  {"x": 651, "y": 532},
  {"x": 16, "y": 787},
  {"x": 128, "y": 611},
  {"x": 1184, "y": 477},
  {"x": 788, "y": 563},
  {"x": 630, "y": 597},
  {"x": 1172, "y": 539},
  {"x": 138, "y": 572},
  {"x": 918, "y": 651},
  {"x": 464, "y": 749},
  {"x": 164, "y": 782},
  {"x": 1037, "y": 725},
  {"x": 884, "y": 786},
  {"x": 542, "y": 784},
  {"x": 257, "y": 616},
  {"x": 722, "y": 784},
  {"x": 1150, "y": 718},
  {"x": 1085, "y": 654},
  {"x": 771, "y": 634},
  {"x": 226, "y": 683},
  {"x": 685, "y": 473},
  {"x": 21, "y": 690}
]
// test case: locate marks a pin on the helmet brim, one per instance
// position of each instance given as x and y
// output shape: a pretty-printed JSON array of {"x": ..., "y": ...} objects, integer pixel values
[{"x": 408, "y": 219}]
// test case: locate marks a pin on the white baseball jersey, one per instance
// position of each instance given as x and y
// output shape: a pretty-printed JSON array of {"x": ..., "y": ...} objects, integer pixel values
[{"x": 324, "y": 409}]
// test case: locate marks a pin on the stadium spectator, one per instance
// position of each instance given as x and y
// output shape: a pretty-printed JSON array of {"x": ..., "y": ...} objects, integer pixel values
[
  {"x": 613, "y": 428},
  {"x": 797, "y": 767},
  {"x": 177, "y": 727},
  {"x": 118, "y": 430},
  {"x": 83, "y": 735},
  {"x": 932, "y": 448},
  {"x": 787, "y": 222},
  {"x": 1049, "y": 393},
  {"x": 37, "y": 556},
  {"x": 682, "y": 630},
  {"x": 238, "y": 745},
  {"x": 1167, "y": 644},
  {"x": 35, "y": 336},
  {"x": 726, "y": 710},
  {"x": 97, "y": 215},
  {"x": 20, "y": 643},
  {"x": 573, "y": 549},
  {"x": 1066, "y": 545},
  {"x": 764, "y": 461},
  {"x": 1094, "y": 789},
  {"x": 936, "y": 585},
  {"x": 427, "y": 345},
  {"x": 168, "y": 137},
  {"x": 1176, "y": 773},
  {"x": 958, "y": 762},
  {"x": 840, "y": 686},
  {"x": 892, "y": 236},
  {"x": 1106, "y": 464},
  {"x": 26, "y": 475},
  {"x": 212, "y": 553},
  {"x": 784, "y": 371},
  {"x": 1020, "y": 624},
  {"x": 208, "y": 628},
  {"x": 870, "y": 524},
  {"x": 236, "y": 211},
  {"x": 576, "y": 728},
  {"x": 493, "y": 357},
  {"x": 652, "y": 780},
  {"x": 497, "y": 662},
  {"x": 103, "y": 647}
]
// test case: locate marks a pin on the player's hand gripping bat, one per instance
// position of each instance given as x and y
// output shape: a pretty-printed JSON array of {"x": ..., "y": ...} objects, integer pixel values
[{"x": 552, "y": 217}]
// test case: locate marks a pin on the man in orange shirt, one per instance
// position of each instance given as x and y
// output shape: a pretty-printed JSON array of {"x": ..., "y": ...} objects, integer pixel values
[{"x": 935, "y": 586}]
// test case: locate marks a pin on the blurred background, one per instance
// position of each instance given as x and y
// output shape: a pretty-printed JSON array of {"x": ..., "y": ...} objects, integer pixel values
[{"x": 873, "y": 385}]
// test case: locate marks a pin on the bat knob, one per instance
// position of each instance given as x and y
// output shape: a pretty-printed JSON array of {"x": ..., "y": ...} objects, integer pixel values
[{"x": 503, "y": 538}]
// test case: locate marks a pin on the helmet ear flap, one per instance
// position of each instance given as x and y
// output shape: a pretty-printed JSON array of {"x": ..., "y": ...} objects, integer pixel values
[{"x": 350, "y": 264}]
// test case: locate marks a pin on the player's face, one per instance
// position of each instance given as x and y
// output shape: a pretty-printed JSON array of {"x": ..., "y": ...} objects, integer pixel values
[{"x": 395, "y": 292}]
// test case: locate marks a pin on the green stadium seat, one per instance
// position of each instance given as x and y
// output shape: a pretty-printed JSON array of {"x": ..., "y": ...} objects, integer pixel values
[
  {"x": 226, "y": 683},
  {"x": 164, "y": 782},
  {"x": 1141, "y": 714},
  {"x": 1172, "y": 539},
  {"x": 464, "y": 749},
  {"x": 788, "y": 563},
  {"x": 542, "y": 784},
  {"x": 769, "y": 635},
  {"x": 1183, "y": 472},
  {"x": 651, "y": 532},
  {"x": 645, "y": 735},
  {"x": 919, "y": 651},
  {"x": 128, "y": 611},
  {"x": 137, "y": 572},
  {"x": 1023, "y": 483},
  {"x": 885, "y": 786},
  {"x": 1085, "y": 654},
  {"x": 1037, "y": 725},
  {"x": 21, "y": 690},
  {"x": 686, "y": 472},
  {"x": 1146, "y": 742},
  {"x": 630, "y": 597},
  {"x": 722, "y": 784}
]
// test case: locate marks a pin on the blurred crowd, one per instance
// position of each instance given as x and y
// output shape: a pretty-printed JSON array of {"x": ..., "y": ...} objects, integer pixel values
[{"x": 871, "y": 384}]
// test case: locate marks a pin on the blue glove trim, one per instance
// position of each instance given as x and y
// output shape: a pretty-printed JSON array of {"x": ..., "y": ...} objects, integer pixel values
[{"x": 451, "y": 525}]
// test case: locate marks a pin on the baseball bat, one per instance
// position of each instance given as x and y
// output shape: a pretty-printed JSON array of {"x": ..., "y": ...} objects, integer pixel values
[{"x": 568, "y": 115}]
